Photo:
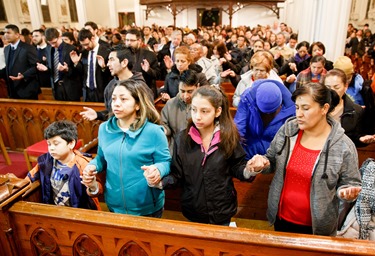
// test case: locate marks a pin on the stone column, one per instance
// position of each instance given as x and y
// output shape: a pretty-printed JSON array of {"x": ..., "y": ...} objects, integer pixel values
[
  {"x": 36, "y": 16},
  {"x": 114, "y": 15},
  {"x": 81, "y": 12}
]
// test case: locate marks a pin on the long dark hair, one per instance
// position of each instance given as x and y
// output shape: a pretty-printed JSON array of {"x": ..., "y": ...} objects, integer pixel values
[{"x": 229, "y": 135}]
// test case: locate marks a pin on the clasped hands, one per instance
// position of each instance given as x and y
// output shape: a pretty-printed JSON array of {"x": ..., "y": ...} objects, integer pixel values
[
  {"x": 256, "y": 164},
  {"x": 152, "y": 175},
  {"x": 88, "y": 178}
]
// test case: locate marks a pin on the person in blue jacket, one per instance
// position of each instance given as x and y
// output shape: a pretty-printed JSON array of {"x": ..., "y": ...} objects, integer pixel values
[
  {"x": 262, "y": 110},
  {"x": 131, "y": 142}
]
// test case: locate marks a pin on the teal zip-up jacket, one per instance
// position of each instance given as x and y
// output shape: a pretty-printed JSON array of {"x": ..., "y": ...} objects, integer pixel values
[{"x": 121, "y": 154}]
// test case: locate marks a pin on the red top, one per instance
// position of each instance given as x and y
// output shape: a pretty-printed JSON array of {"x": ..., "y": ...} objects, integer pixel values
[{"x": 295, "y": 198}]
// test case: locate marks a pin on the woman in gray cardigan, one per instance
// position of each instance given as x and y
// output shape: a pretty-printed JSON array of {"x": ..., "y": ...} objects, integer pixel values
[{"x": 315, "y": 166}]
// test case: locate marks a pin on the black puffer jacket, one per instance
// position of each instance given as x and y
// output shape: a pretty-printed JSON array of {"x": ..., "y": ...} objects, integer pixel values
[
  {"x": 173, "y": 78},
  {"x": 208, "y": 193}
]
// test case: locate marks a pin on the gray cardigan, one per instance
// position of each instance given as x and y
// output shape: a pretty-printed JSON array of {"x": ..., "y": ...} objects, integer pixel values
[{"x": 335, "y": 168}]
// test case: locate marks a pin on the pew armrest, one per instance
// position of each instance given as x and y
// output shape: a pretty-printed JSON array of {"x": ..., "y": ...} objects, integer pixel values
[{"x": 88, "y": 146}]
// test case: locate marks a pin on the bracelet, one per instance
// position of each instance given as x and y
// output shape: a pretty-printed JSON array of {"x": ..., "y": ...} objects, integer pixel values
[{"x": 89, "y": 191}]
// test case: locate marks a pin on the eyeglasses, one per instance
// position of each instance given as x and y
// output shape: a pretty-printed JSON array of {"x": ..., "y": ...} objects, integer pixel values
[
  {"x": 130, "y": 40},
  {"x": 259, "y": 71}
]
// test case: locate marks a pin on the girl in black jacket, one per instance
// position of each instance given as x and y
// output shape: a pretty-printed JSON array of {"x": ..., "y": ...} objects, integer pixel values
[{"x": 206, "y": 157}]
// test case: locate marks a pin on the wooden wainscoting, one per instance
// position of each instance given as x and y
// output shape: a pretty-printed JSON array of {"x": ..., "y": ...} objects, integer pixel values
[{"x": 22, "y": 122}]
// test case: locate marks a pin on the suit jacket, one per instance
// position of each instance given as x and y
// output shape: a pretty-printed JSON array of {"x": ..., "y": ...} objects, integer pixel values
[
  {"x": 153, "y": 73},
  {"x": 102, "y": 78},
  {"x": 71, "y": 88},
  {"x": 23, "y": 61}
]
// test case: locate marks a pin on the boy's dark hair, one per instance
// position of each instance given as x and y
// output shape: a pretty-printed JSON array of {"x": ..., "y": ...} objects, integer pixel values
[
  {"x": 67, "y": 130},
  {"x": 51, "y": 33},
  {"x": 83, "y": 34},
  {"x": 13, "y": 27}
]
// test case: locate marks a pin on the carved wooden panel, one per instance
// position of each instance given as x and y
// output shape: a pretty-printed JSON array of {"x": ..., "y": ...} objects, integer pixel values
[
  {"x": 42, "y": 243},
  {"x": 132, "y": 248},
  {"x": 22, "y": 122},
  {"x": 182, "y": 252},
  {"x": 86, "y": 246}
]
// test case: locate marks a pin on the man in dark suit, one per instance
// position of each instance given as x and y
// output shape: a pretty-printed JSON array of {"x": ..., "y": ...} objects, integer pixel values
[
  {"x": 65, "y": 78},
  {"x": 92, "y": 64},
  {"x": 42, "y": 48},
  {"x": 20, "y": 71},
  {"x": 145, "y": 60},
  {"x": 165, "y": 55}
]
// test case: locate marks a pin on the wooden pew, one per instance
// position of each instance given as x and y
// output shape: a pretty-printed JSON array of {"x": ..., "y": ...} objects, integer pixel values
[
  {"x": 46, "y": 94},
  {"x": 228, "y": 87},
  {"x": 22, "y": 122},
  {"x": 28, "y": 228}
]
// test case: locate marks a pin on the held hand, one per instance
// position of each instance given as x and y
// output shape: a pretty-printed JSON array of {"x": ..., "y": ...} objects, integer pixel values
[
  {"x": 257, "y": 163},
  {"x": 349, "y": 193},
  {"x": 101, "y": 61},
  {"x": 89, "y": 177},
  {"x": 41, "y": 67},
  {"x": 145, "y": 65},
  {"x": 75, "y": 57},
  {"x": 89, "y": 114},
  {"x": 151, "y": 174},
  {"x": 16, "y": 78},
  {"x": 168, "y": 62}
]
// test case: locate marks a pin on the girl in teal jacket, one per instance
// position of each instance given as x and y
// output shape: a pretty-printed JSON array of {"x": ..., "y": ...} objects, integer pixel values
[{"x": 131, "y": 142}]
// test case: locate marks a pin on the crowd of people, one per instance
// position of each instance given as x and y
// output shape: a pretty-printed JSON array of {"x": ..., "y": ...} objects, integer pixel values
[{"x": 299, "y": 116}]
